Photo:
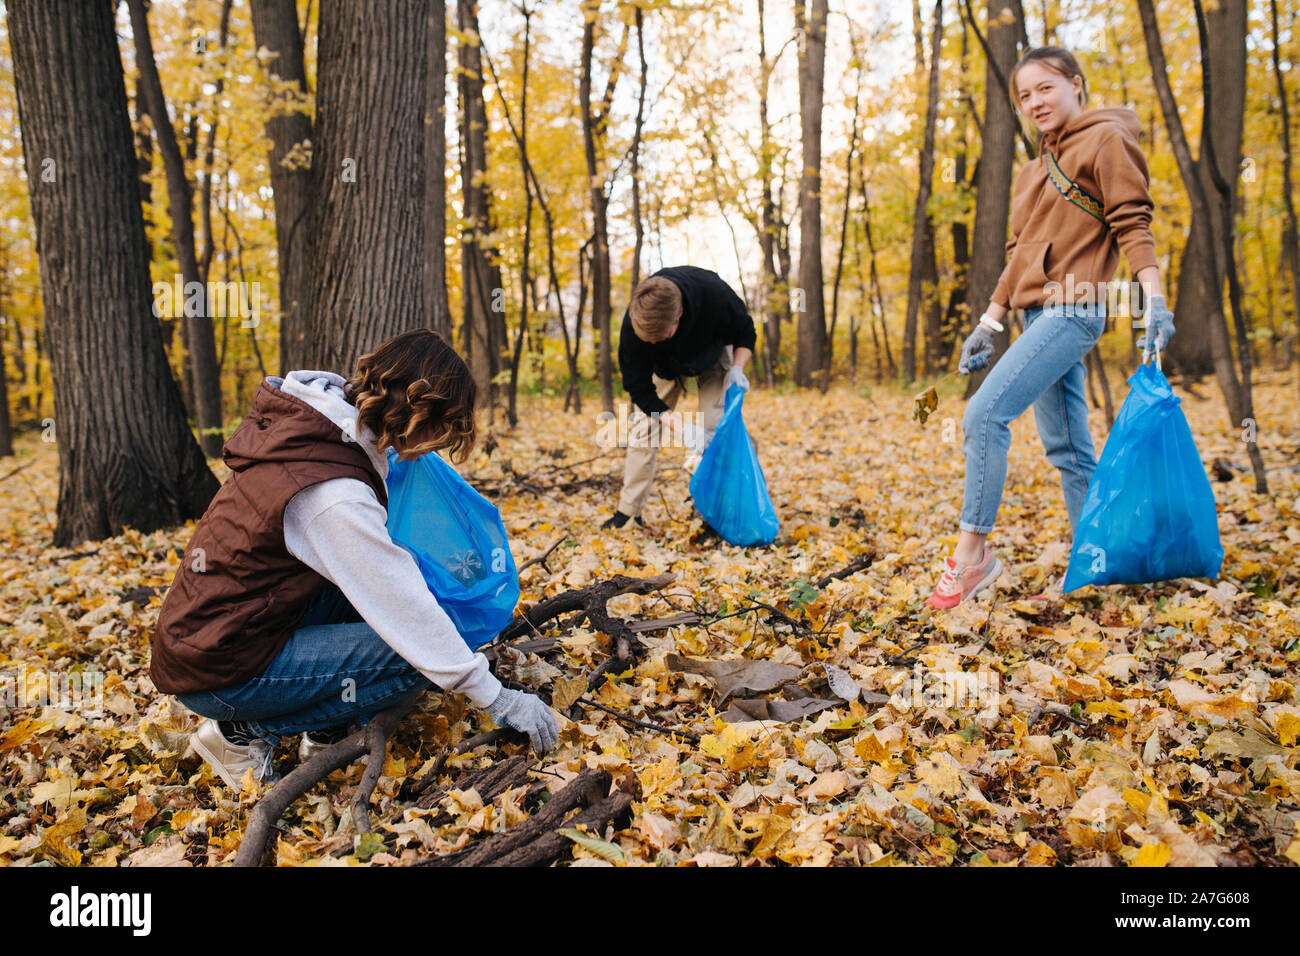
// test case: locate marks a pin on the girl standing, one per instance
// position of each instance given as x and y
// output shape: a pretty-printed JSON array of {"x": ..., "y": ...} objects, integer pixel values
[{"x": 1075, "y": 207}]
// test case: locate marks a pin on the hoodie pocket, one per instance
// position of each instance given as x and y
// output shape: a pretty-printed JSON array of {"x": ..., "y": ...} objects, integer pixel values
[{"x": 1029, "y": 261}]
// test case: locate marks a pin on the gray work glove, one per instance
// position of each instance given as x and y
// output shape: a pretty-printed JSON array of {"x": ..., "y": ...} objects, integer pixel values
[
  {"x": 1160, "y": 320},
  {"x": 527, "y": 714},
  {"x": 977, "y": 351},
  {"x": 735, "y": 376}
]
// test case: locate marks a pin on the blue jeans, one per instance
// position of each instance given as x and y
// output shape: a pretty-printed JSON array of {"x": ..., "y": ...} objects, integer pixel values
[
  {"x": 1043, "y": 367},
  {"x": 333, "y": 670}
]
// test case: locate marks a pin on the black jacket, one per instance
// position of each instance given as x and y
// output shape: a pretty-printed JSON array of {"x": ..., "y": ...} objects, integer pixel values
[{"x": 713, "y": 317}]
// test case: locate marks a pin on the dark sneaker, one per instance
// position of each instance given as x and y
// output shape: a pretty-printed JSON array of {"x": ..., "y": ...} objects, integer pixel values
[{"x": 619, "y": 519}]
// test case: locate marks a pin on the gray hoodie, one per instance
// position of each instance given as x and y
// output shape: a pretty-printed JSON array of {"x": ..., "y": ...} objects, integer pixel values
[{"x": 338, "y": 528}]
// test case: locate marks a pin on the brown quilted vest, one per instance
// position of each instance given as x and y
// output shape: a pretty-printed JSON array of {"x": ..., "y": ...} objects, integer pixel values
[{"x": 238, "y": 594}]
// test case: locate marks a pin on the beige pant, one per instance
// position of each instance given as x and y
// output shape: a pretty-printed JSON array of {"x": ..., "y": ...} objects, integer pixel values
[{"x": 644, "y": 434}]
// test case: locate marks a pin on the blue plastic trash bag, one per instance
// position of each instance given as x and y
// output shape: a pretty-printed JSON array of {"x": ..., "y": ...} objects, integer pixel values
[
  {"x": 1149, "y": 514},
  {"x": 728, "y": 486},
  {"x": 458, "y": 541}
]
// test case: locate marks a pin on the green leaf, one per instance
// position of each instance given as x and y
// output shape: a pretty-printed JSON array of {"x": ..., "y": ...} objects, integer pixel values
[
  {"x": 156, "y": 832},
  {"x": 802, "y": 593},
  {"x": 368, "y": 844},
  {"x": 602, "y": 848}
]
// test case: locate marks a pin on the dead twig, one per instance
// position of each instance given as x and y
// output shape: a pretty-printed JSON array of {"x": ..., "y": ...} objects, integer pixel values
[
  {"x": 1056, "y": 710},
  {"x": 904, "y": 657},
  {"x": 541, "y": 559},
  {"x": 643, "y": 724},
  {"x": 860, "y": 563},
  {"x": 10, "y": 474},
  {"x": 591, "y": 600},
  {"x": 987, "y": 629},
  {"x": 261, "y": 822},
  {"x": 587, "y": 789},
  {"x": 464, "y": 747}
]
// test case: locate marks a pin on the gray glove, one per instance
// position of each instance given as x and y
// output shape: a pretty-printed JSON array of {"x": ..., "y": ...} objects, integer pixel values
[
  {"x": 527, "y": 714},
  {"x": 735, "y": 376},
  {"x": 977, "y": 351},
  {"x": 1160, "y": 320}
]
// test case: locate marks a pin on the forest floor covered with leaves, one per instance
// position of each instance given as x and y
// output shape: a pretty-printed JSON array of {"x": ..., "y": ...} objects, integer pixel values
[{"x": 1135, "y": 725}]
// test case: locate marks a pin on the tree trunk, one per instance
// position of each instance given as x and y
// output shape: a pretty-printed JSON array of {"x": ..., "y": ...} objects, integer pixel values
[
  {"x": 993, "y": 176},
  {"x": 1201, "y": 235},
  {"x": 957, "y": 313},
  {"x": 600, "y": 291},
  {"x": 637, "y": 222},
  {"x": 921, "y": 291},
  {"x": 126, "y": 455},
  {"x": 525, "y": 276},
  {"x": 570, "y": 347},
  {"x": 810, "y": 24},
  {"x": 1290, "y": 239},
  {"x": 844, "y": 235},
  {"x": 1202, "y": 269},
  {"x": 877, "y": 302},
  {"x": 1225, "y": 186},
  {"x": 6, "y": 427},
  {"x": 201, "y": 344},
  {"x": 367, "y": 181},
  {"x": 774, "y": 292},
  {"x": 481, "y": 284},
  {"x": 434, "y": 273},
  {"x": 275, "y": 29}
]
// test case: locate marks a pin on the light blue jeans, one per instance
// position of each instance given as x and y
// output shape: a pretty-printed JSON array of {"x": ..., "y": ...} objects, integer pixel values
[
  {"x": 1043, "y": 367},
  {"x": 333, "y": 670}
]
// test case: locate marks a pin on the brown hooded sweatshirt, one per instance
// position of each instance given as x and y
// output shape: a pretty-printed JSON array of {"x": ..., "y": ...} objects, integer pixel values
[{"x": 1052, "y": 239}]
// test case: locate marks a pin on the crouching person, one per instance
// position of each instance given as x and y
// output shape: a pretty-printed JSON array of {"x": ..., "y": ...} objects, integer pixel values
[{"x": 293, "y": 611}]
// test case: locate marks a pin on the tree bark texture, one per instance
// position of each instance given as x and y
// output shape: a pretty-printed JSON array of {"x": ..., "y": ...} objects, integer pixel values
[
  {"x": 1202, "y": 270},
  {"x": 993, "y": 178},
  {"x": 811, "y": 25},
  {"x": 366, "y": 199},
  {"x": 275, "y": 29},
  {"x": 126, "y": 454},
  {"x": 200, "y": 342},
  {"x": 481, "y": 286},
  {"x": 434, "y": 275}
]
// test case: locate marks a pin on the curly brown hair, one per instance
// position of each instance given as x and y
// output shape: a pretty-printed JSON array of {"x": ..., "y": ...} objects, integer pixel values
[{"x": 415, "y": 386}]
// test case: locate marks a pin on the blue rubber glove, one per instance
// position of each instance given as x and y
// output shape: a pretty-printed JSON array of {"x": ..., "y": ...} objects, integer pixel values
[
  {"x": 526, "y": 713},
  {"x": 977, "y": 351},
  {"x": 1159, "y": 319}
]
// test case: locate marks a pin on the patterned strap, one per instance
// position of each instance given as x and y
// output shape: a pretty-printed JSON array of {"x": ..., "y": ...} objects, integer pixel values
[{"x": 1070, "y": 189}]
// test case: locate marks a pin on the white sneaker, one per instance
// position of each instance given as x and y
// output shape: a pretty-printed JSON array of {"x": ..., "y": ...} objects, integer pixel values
[{"x": 230, "y": 760}]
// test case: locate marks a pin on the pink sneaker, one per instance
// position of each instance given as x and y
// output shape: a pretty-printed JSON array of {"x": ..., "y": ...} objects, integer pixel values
[{"x": 961, "y": 581}]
